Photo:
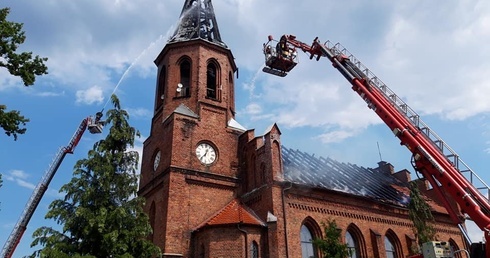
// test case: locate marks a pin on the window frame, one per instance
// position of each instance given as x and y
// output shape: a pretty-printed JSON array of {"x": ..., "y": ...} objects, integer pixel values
[
  {"x": 307, "y": 243},
  {"x": 254, "y": 250},
  {"x": 185, "y": 76},
  {"x": 213, "y": 80}
]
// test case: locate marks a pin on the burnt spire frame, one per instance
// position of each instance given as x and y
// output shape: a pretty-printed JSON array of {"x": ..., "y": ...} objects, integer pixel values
[{"x": 197, "y": 21}]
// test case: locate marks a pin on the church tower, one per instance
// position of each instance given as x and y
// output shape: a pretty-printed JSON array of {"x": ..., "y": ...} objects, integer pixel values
[{"x": 189, "y": 165}]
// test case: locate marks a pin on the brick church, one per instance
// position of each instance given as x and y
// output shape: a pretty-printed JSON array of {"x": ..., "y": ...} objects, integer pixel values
[{"x": 215, "y": 189}]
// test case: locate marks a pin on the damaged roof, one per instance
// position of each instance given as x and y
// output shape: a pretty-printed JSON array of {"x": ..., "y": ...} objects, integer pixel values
[
  {"x": 197, "y": 21},
  {"x": 373, "y": 183}
]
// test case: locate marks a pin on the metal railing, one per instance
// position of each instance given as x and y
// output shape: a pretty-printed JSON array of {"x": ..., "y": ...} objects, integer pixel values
[{"x": 415, "y": 119}]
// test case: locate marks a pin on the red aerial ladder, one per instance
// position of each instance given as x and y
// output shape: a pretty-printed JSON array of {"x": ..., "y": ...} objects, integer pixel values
[
  {"x": 94, "y": 126},
  {"x": 431, "y": 156}
]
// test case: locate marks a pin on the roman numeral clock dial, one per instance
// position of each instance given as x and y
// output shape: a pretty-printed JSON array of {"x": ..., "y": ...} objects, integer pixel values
[{"x": 206, "y": 153}]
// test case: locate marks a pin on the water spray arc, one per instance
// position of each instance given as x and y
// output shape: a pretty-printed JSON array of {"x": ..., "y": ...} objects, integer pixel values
[
  {"x": 167, "y": 36},
  {"x": 131, "y": 66}
]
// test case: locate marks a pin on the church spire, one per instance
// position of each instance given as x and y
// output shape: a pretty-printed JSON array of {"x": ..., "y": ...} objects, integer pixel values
[{"x": 197, "y": 20}]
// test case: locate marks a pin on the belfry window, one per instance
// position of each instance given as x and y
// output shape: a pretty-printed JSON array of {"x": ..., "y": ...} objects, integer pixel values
[
  {"x": 162, "y": 81},
  {"x": 231, "y": 89},
  {"x": 185, "y": 78},
  {"x": 212, "y": 81}
]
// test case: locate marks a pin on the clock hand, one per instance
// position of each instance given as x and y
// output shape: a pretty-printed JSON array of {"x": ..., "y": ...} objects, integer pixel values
[{"x": 203, "y": 156}]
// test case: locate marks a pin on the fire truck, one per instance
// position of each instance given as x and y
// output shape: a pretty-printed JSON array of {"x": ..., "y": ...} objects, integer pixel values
[
  {"x": 431, "y": 156},
  {"x": 95, "y": 126}
]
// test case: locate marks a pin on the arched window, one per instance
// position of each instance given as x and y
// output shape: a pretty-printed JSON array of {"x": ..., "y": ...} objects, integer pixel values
[
  {"x": 212, "y": 81},
  {"x": 392, "y": 245},
  {"x": 351, "y": 245},
  {"x": 231, "y": 92},
  {"x": 307, "y": 249},
  {"x": 455, "y": 248},
  {"x": 185, "y": 78},
  {"x": 254, "y": 250},
  {"x": 162, "y": 81},
  {"x": 390, "y": 248},
  {"x": 355, "y": 242}
]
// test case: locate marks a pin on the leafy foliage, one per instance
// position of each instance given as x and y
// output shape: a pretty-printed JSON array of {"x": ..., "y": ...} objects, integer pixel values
[
  {"x": 11, "y": 122},
  {"x": 421, "y": 216},
  {"x": 18, "y": 64},
  {"x": 100, "y": 214},
  {"x": 23, "y": 65},
  {"x": 331, "y": 245}
]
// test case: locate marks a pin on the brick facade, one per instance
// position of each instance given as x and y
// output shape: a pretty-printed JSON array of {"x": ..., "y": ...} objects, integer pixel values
[{"x": 182, "y": 193}]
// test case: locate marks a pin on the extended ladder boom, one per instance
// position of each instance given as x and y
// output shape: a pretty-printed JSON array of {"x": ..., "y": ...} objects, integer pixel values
[
  {"x": 94, "y": 126},
  {"x": 432, "y": 157}
]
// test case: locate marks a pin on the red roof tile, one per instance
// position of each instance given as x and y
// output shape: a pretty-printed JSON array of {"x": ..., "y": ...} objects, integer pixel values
[{"x": 234, "y": 213}]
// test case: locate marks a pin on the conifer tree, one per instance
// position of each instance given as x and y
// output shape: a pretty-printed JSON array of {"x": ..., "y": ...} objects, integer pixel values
[
  {"x": 331, "y": 245},
  {"x": 100, "y": 214}
]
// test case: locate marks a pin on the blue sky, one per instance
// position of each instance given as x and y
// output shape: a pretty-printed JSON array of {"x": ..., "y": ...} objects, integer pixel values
[{"x": 433, "y": 54}]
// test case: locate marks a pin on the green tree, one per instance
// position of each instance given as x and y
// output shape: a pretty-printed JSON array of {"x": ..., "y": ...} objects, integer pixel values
[
  {"x": 100, "y": 214},
  {"x": 22, "y": 64},
  {"x": 421, "y": 216},
  {"x": 11, "y": 122},
  {"x": 331, "y": 245}
]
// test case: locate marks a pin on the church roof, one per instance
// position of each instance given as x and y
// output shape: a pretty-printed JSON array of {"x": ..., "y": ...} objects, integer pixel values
[
  {"x": 233, "y": 213},
  {"x": 234, "y": 124},
  {"x": 197, "y": 21},
  {"x": 306, "y": 169}
]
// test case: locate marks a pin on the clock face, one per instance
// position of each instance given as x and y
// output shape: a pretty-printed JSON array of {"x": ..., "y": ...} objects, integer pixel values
[
  {"x": 206, "y": 153},
  {"x": 156, "y": 161}
]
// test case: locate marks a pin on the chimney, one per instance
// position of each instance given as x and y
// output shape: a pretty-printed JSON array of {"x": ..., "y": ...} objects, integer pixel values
[
  {"x": 386, "y": 167},
  {"x": 403, "y": 175}
]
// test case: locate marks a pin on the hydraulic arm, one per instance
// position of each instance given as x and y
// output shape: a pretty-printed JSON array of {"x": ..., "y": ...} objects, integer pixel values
[
  {"x": 94, "y": 126},
  {"x": 434, "y": 159}
]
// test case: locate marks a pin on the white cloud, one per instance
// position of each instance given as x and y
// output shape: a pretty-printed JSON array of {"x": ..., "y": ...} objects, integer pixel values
[
  {"x": 335, "y": 136},
  {"x": 50, "y": 94},
  {"x": 253, "y": 109},
  {"x": 139, "y": 113},
  {"x": 317, "y": 103},
  {"x": 8, "y": 81},
  {"x": 439, "y": 67},
  {"x": 25, "y": 184},
  {"x": 90, "y": 96},
  {"x": 424, "y": 61},
  {"x": 18, "y": 174},
  {"x": 19, "y": 177}
]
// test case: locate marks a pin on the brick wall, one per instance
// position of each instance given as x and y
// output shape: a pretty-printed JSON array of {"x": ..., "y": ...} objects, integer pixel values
[{"x": 228, "y": 241}]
